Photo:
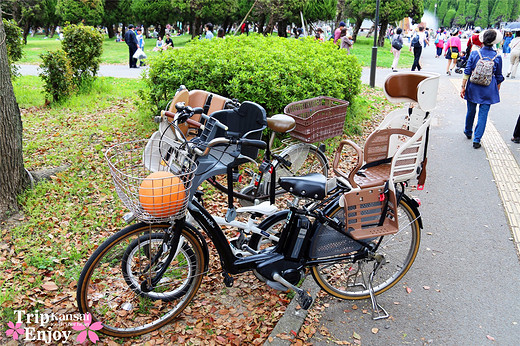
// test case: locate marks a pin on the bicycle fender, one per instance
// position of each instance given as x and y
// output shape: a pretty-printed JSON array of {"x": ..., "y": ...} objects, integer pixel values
[
  {"x": 415, "y": 208},
  {"x": 203, "y": 243}
]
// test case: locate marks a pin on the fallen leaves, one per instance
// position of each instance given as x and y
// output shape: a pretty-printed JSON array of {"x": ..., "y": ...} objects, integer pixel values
[{"x": 50, "y": 286}]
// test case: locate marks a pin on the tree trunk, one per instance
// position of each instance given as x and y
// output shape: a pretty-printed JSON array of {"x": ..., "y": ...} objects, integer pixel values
[
  {"x": 371, "y": 31},
  {"x": 340, "y": 10},
  {"x": 357, "y": 27},
  {"x": 52, "y": 31},
  {"x": 261, "y": 23},
  {"x": 270, "y": 26},
  {"x": 13, "y": 177},
  {"x": 382, "y": 33},
  {"x": 196, "y": 27},
  {"x": 282, "y": 28},
  {"x": 110, "y": 29},
  {"x": 26, "y": 29}
]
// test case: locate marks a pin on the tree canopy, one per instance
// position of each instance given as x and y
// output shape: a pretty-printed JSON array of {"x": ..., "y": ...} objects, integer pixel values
[{"x": 483, "y": 13}]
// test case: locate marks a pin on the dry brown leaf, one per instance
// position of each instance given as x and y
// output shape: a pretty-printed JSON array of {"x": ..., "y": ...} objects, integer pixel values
[{"x": 50, "y": 286}]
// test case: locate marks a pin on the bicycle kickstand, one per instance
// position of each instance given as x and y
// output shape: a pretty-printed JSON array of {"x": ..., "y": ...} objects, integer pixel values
[{"x": 378, "y": 312}]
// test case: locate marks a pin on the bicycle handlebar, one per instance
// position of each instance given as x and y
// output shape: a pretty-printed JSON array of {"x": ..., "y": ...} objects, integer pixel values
[
  {"x": 188, "y": 112},
  {"x": 245, "y": 142}
]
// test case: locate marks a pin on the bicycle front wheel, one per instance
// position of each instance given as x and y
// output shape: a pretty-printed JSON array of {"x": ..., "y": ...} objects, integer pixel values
[
  {"x": 348, "y": 280},
  {"x": 113, "y": 284}
]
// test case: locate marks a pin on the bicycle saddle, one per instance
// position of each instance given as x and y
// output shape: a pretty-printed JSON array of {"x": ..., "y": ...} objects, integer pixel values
[
  {"x": 281, "y": 123},
  {"x": 312, "y": 185}
]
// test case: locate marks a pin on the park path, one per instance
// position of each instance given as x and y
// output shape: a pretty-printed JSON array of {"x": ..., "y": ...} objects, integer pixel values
[{"x": 118, "y": 71}]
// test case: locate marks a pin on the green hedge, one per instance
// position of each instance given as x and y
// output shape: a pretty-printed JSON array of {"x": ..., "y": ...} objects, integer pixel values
[
  {"x": 271, "y": 71},
  {"x": 14, "y": 44}
]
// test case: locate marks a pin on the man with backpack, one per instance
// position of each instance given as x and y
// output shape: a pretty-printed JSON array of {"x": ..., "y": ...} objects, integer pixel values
[
  {"x": 481, "y": 84},
  {"x": 418, "y": 40}
]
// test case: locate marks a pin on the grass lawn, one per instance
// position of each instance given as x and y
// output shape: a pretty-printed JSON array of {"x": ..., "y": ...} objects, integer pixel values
[
  {"x": 117, "y": 52},
  {"x": 113, "y": 52},
  {"x": 363, "y": 50}
]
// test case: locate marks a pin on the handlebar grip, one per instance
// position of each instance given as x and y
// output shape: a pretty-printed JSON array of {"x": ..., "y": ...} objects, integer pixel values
[
  {"x": 167, "y": 114},
  {"x": 193, "y": 123},
  {"x": 253, "y": 143}
]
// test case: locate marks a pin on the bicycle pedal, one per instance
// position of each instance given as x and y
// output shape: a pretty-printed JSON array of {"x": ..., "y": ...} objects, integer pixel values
[
  {"x": 305, "y": 299},
  {"x": 231, "y": 214},
  {"x": 228, "y": 279}
]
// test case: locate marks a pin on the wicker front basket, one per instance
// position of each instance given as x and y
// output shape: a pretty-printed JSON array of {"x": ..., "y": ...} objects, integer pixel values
[{"x": 318, "y": 118}]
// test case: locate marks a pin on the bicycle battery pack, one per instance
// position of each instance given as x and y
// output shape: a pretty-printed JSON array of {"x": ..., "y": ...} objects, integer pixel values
[{"x": 298, "y": 237}]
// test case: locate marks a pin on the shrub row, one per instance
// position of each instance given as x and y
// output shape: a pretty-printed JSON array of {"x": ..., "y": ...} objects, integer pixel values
[{"x": 271, "y": 71}]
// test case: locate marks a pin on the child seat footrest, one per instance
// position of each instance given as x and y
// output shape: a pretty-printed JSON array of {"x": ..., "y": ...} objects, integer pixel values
[
  {"x": 371, "y": 212},
  {"x": 373, "y": 232}
]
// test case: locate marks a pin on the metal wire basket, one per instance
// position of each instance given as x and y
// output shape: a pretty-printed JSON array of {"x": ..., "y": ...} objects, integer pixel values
[{"x": 152, "y": 177}]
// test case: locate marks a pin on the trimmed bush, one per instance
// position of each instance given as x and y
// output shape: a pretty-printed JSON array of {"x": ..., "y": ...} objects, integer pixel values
[
  {"x": 57, "y": 75},
  {"x": 271, "y": 71},
  {"x": 14, "y": 44},
  {"x": 84, "y": 46}
]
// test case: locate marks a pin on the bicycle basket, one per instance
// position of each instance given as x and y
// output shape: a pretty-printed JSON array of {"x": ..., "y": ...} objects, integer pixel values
[
  {"x": 317, "y": 118},
  {"x": 154, "y": 187}
]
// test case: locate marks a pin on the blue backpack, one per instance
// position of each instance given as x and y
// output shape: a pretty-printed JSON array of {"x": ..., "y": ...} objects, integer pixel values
[{"x": 415, "y": 41}]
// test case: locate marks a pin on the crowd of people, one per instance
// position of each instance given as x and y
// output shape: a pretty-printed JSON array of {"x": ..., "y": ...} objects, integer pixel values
[{"x": 480, "y": 63}]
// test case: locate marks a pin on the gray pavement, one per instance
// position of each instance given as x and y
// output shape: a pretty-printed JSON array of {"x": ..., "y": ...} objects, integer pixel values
[
  {"x": 118, "y": 71},
  {"x": 465, "y": 280}
]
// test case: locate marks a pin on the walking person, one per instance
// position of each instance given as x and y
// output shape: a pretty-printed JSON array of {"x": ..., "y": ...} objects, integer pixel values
[
  {"x": 453, "y": 47},
  {"x": 439, "y": 42},
  {"x": 417, "y": 43},
  {"x": 516, "y": 132},
  {"x": 337, "y": 32},
  {"x": 131, "y": 41},
  {"x": 397, "y": 45},
  {"x": 140, "y": 44},
  {"x": 514, "y": 56},
  {"x": 506, "y": 46},
  {"x": 345, "y": 42},
  {"x": 475, "y": 91}
]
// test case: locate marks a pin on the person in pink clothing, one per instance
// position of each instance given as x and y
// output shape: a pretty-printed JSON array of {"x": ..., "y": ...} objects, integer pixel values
[
  {"x": 337, "y": 33},
  {"x": 452, "y": 49}
]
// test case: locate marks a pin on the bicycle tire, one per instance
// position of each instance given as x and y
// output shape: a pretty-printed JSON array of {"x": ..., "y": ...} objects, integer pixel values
[
  {"x": 125, "y": 311},
  {"x": 346, "y": 280}
]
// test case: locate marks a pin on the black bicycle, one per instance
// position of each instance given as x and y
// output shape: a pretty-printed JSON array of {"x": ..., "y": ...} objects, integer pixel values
[{"x": 356, "y": 243}]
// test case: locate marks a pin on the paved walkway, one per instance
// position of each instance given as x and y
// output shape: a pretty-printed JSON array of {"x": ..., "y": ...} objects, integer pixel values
[
  {"x": 118, "y": 71},
  {"x": 465, "y": 281}
]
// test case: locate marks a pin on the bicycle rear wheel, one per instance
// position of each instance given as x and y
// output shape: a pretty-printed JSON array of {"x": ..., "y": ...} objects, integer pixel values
[
  {"x": 304, "y": 159},
  {"x": 348, "y": 280},
  {"x": 111, "y": 287}
]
